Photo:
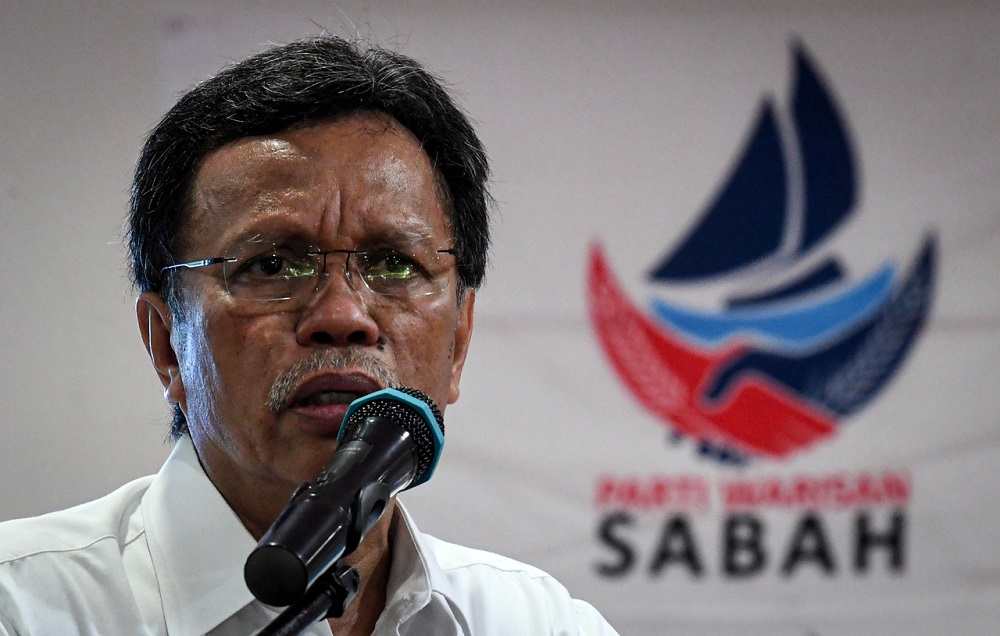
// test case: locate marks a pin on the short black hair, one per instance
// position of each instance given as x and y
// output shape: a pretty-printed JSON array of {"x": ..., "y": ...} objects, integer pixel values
[
  {"x": 318, "y": 78},
  {"x": 313, "y": 79}
]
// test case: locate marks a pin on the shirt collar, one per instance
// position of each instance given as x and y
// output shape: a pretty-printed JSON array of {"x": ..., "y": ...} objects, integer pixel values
[
  {"x": 197, "y": 544},
  {"x": 418, "y": 587},
  {"x": 198, "y": 547}
]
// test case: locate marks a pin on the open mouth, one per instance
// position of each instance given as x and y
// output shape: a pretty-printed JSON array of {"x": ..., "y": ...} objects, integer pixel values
[
  {"x": 321, "y": 402},
  {"x": 328, "y": 398},
  {"x": 327, "y": 394}
]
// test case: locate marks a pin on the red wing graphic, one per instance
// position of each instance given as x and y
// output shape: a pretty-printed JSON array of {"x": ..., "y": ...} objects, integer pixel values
[{"x": 669, "y": 377}]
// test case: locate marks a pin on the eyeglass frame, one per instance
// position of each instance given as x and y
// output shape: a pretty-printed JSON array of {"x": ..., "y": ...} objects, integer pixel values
[{"x": 221, "y": 260}]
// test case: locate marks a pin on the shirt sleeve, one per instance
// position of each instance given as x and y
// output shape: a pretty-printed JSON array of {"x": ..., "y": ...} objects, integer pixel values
[
  {"x": 590, "y": 621},
  {"x": 7, "y": 627},
  {"x": 495, "y": 601}
]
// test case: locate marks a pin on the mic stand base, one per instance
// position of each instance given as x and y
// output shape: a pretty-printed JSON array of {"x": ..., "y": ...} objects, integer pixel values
[{"x": 328, "y": 597}]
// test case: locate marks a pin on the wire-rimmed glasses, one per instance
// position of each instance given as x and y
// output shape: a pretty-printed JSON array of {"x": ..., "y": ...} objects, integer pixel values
[{"x": 283, "y": 275}]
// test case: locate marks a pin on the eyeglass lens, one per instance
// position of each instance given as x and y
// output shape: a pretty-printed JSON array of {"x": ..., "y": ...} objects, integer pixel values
[{"x": 278, "y": 272}]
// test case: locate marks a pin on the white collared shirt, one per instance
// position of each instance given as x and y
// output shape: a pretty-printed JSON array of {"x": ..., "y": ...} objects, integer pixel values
[{"x": 165, "y": 555}]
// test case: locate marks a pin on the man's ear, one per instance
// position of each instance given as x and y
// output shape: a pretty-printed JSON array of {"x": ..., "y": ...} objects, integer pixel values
[
  {"x": 156, "y": 325},
  {"x": 463, "y": 335}
]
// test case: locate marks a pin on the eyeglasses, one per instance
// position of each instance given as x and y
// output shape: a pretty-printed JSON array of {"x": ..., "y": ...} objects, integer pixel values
[{"x": 263, "y": 274}]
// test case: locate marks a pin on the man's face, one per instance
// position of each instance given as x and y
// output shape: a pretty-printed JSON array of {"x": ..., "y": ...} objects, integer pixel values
[{"x": 262, "y": 407}]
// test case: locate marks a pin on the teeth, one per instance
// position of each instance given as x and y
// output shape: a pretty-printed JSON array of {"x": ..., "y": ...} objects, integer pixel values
[{"x": 331, "y": 397}]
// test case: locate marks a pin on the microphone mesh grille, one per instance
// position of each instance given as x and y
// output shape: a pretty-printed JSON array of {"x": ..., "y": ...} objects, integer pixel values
[{"x": 410, "y": 419}]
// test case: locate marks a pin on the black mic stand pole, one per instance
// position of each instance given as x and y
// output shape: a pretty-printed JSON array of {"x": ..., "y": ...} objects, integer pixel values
[
  {"x": 333, "y": 590},
  {"x": 328, "y": 597}
]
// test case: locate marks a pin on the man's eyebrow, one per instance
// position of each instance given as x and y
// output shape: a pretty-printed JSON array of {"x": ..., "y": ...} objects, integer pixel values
[
  {"x": 412, "y": 233},
  {"x": 408, "y": 232},
  {"x": 265, "y": 235}
]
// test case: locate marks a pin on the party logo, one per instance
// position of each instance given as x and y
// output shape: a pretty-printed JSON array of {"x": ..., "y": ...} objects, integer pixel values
[{"x": 795, "y": 345}]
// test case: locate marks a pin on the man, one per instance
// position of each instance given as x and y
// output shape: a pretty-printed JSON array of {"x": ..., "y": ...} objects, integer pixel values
[{"x": 307, "y": 227}]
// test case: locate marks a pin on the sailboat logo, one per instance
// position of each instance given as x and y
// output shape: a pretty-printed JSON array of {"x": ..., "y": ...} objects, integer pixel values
[{"x": 785, "y": 359}]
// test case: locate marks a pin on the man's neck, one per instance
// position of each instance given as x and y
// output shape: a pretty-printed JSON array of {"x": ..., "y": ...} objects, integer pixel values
[{"x": 373, "y": 560}]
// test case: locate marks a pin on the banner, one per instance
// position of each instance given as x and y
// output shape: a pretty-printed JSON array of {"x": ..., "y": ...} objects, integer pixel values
[{"x": 734, "y": 369}]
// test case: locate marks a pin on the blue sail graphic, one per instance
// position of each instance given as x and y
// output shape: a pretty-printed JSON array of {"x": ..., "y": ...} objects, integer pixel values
[
  {"x": 755, "y": 197},
  {"x": 845, "y": 374},
  {"x": 753, "y": 219},
  {"x": 792, "y": 327},
  {"x": 822, "y": 275},
  {"x": 827, "y": 162}
]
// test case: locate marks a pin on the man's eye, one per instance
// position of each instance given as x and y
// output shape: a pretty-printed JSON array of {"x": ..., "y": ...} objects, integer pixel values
[
  {"x": 391, "y": 265},
  {"x": 269, "y": 265},
  {"x": 277, "y": 264}
]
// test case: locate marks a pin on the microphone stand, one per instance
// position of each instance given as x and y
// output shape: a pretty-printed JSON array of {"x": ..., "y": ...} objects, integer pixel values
[
  {"x": 334, "y": 590},
  {"x": 328, "y": 597}
]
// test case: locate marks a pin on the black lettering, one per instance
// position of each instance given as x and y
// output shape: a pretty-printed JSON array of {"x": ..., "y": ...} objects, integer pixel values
[
  {"x": 892, "y": 539},
  {"x": 677, "y": 545},
  {"x": 743, "y": 551},
  {"x": 809, "y": 544},
  {"x": 607, "y": 535}
]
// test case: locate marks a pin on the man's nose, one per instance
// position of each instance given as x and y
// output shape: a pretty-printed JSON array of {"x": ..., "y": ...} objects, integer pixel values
[{"x": 337, "y": 313}]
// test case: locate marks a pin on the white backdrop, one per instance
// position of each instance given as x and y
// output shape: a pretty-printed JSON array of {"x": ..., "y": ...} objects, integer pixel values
[{"x": 609, "y": 122}]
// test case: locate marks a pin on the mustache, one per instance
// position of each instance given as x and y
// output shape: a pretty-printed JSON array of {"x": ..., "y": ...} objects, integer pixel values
[{"x": 355, "y": 360}]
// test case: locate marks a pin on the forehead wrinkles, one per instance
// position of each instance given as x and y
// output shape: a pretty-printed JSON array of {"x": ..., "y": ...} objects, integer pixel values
[
  {"x": 372, "y": 165},
  {"x": 394, "y": 173},
  {"x": 401, "y": 179},
  {"x": 248, "y": 172}
]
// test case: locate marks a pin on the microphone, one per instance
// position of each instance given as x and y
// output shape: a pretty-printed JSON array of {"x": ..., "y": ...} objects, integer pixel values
[{"x": 389, "y": 441}]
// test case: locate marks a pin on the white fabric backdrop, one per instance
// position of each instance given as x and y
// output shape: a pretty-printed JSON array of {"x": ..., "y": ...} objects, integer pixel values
[{"x": 606, "y": 122}]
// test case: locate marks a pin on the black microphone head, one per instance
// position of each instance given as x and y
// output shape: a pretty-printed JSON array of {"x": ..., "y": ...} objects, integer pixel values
[{"x": 411, "y": 409}]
